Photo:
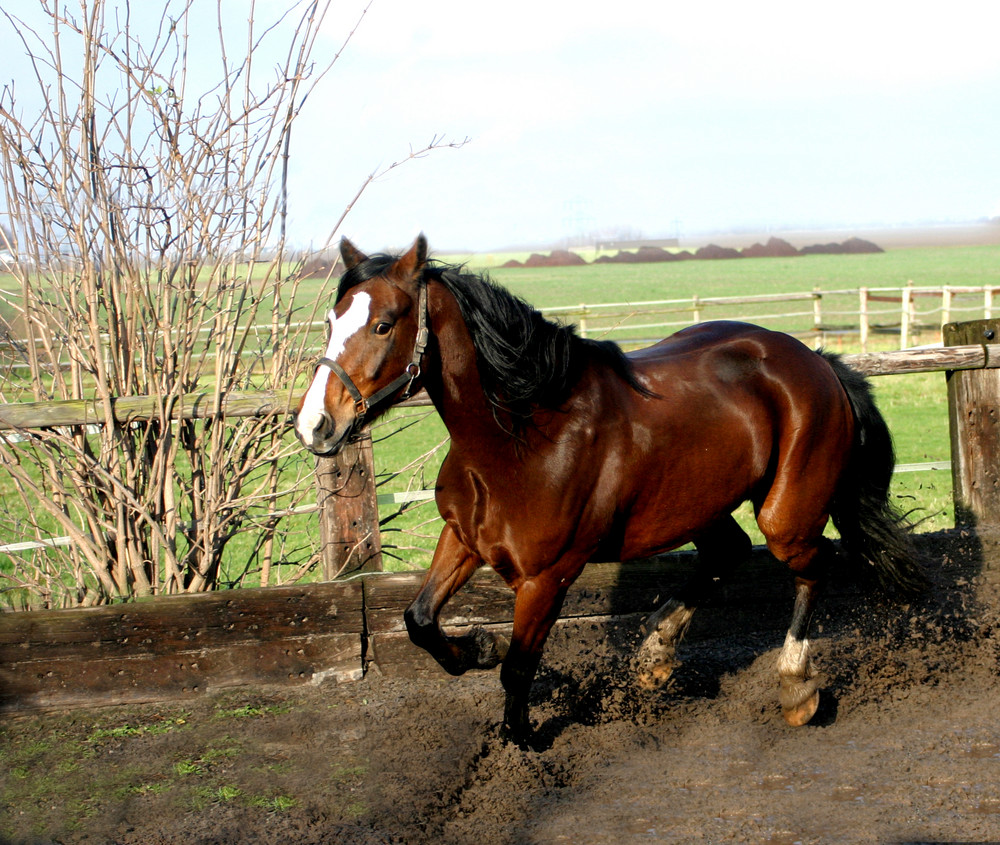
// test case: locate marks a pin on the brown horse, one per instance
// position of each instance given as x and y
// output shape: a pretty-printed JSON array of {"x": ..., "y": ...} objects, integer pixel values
[{"x": 566, "y": 450}]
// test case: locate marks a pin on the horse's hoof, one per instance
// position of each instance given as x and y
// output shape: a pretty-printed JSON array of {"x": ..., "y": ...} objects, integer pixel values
[
  {"x": 523, "y": 738},
  {"x": 490, "y": 649},
  {"x": 654, "y": 677},
  {"x": 801, "y": 714}
]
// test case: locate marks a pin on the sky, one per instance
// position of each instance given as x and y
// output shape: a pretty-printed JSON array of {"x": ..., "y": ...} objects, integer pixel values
[
  {"x": 650, "y": 119},
  {"x": 658, "y": 118}
]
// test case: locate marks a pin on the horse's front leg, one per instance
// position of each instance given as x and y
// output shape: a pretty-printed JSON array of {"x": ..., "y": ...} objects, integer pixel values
[
  {"x": 451, "y": 567},
  {"x": 536, "y": 607}
]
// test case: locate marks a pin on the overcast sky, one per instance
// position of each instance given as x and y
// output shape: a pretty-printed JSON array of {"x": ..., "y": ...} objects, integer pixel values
[
  {"x": 658, "y": 118},
  {"x": 655, "y": 116}
]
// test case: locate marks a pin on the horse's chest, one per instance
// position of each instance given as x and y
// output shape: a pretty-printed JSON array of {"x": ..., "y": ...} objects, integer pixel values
[{"x": 503, "y": 519}]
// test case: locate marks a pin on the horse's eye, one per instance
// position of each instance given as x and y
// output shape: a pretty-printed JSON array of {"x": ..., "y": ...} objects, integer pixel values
[{"x": 383, "y": 328}]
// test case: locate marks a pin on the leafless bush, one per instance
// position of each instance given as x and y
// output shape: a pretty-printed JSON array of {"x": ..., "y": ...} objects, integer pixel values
[{"x": 147, "y": 218}]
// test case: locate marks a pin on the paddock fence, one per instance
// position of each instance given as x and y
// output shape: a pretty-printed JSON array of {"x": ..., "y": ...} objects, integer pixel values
[
  {"x": 180, "y": 647},
  {"x": 900, "y": 316}
]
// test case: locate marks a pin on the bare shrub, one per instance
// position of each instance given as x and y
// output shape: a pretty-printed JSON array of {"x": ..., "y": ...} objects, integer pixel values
[{"x": 147, "y": 216}]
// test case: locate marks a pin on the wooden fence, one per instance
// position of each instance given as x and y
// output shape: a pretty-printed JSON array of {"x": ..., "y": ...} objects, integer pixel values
[
  {"x": 185, "y": 646},
  {"x": 820, "y": 315}
]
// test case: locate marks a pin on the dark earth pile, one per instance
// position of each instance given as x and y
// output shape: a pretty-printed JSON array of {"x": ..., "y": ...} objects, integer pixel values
[{"x": 774, "y": 248}]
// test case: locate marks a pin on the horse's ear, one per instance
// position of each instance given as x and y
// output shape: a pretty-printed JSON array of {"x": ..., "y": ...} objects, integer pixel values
[
  {"x": 410, "y": 264},
  {"x": 351, "y": 254}
]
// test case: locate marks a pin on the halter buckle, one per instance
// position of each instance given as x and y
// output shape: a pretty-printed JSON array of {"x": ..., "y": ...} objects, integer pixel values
[{"x": 413, "y": 371}]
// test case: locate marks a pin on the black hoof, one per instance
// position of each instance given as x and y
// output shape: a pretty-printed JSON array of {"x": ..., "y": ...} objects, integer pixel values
[{"x": 524, "y": 738}]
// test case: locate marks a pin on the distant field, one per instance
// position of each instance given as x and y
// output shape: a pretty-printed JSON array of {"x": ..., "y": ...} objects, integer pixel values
[{"x": 545, "y": 287}]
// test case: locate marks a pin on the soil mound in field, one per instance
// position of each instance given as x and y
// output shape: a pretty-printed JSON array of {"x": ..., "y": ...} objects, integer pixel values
[
  {"x": 823, "y": 249},
  {"x": 852, "y": 246},
  {"x": 859, "y": 246},
  {"x": 557, "y": 258},
  {"x": 621, "y": 257},
  {"x": 714, "y": 251},
  {"x": 774, "y": 248},
  {"x": 653, "y": 254},
  {"x": 643, "y": 255}
]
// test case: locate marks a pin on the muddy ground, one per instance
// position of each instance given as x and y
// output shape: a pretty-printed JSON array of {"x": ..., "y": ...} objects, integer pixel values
[{"x": 905, "y": 748}]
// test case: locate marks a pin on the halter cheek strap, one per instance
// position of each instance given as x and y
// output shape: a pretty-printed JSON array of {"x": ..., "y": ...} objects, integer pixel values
[{"x": 363, "y": 406}]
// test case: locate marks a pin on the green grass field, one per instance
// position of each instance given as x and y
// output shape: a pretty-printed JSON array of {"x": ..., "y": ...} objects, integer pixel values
[{"x": 546, "y": 287}]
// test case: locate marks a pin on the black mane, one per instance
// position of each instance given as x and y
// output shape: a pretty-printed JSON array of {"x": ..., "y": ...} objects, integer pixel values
[{"x": 525, "y": 361}]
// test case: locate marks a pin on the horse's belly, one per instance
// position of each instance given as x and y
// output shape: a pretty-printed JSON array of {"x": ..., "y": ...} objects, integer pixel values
[{"x": 664, "y": 519}]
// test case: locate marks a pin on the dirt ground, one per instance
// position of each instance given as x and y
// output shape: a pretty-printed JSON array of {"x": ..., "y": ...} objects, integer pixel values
[{"x": 905, "y": 748}]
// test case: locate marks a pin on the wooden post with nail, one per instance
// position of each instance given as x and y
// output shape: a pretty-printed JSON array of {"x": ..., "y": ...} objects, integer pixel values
[{"x": 974, "y": 420}]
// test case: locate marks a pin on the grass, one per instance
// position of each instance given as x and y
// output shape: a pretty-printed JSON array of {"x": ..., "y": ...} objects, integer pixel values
[
  {"x": 932, "y": 266},
  {"x": 58, "y": 773}
]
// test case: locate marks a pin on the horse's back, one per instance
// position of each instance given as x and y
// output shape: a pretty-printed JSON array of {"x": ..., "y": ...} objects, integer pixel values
[{"x": 724, "y": 338}]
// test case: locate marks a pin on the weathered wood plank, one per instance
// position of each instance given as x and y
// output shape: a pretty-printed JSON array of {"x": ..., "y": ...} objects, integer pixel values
[
  {"x": 181, "y": 645},
  {"x": 974, "y": 422},
  {"x": 131, "y": 408},
  {"x": 968, "y": 357},
  {"x": 91, "y": 679}
]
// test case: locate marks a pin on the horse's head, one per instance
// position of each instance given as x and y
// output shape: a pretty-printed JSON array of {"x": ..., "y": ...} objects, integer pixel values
[{"x": 378, "y": 333}]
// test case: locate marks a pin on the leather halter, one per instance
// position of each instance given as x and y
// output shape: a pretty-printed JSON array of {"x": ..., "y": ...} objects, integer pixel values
[{"x": 364, "y": 406}]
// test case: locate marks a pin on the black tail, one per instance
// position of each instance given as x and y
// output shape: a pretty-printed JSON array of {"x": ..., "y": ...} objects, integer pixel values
[{"x": 872, "y": 530}]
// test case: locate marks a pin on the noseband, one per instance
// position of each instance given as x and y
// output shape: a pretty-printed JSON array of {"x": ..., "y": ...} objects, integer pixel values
[{"x": 363, "y": 406}]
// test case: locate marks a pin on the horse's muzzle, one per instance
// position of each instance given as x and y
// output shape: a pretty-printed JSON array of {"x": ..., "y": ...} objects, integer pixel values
[{"x": 324, "y": 438}]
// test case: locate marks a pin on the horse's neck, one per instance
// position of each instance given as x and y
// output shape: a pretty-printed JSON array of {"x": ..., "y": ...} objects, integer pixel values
[{"x": 455, "y": 387}]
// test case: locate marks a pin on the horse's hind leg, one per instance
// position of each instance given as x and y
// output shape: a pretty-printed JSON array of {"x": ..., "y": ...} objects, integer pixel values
[
  {"x": 719, "y": 550},
  {"x": 799, "y": 692}
]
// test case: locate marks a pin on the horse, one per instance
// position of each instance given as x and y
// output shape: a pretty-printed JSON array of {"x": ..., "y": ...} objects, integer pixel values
[{"x": 566, "y": 450}]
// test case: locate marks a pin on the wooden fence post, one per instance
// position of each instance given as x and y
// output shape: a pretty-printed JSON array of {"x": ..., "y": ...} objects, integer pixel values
[
  {"x": 906, "y": 315},
  {"x": 974, "y": 420},
  {"x": 348, "y": 511},
  {"x": 945, "y": 309},
  {"x": 863, "y": 317}
]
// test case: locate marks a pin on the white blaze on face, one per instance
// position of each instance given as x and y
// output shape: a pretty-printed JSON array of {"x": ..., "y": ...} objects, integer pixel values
[{"x": 342, "y": 329}]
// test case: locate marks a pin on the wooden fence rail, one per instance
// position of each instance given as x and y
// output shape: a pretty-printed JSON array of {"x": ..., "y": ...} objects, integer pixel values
[
  {"x": 70, "y": 412},
  {"x": 902, "y": 314}
]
